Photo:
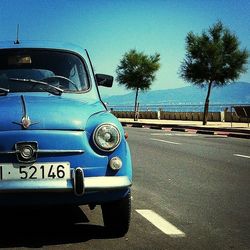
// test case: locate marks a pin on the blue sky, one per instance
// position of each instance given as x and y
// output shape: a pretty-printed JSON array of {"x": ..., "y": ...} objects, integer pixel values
[{"x": 108, "y": 28}]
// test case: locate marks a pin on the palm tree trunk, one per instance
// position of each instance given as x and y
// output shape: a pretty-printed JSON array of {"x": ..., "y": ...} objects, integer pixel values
[
  {"x": 206, "y": 106},
  {"x": 135, "y": 108}
]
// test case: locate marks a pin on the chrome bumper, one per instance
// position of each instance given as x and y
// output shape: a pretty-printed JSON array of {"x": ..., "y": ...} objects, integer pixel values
[{"x": 90, "y": 184}]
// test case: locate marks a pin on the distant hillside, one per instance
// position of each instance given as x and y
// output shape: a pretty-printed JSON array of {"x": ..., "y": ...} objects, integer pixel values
[{"x": 234, "y": 93}]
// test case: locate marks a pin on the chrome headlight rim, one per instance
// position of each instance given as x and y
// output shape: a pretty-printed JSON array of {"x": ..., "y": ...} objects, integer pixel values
[{"x": 116, "y": 144}]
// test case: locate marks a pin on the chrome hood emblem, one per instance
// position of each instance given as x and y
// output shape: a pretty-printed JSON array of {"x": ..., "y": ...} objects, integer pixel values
[{"x": 25, "y": 122}]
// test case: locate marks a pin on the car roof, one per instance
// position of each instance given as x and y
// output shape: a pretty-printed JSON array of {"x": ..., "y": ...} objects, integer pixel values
[{"x": 42, "y": 45}]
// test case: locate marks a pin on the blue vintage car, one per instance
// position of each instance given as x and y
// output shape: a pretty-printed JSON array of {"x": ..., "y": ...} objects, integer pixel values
[{"x": 58, "y": 142}]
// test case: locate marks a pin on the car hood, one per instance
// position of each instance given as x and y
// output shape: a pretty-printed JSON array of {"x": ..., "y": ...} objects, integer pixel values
[{"x": 45, "y": 112}]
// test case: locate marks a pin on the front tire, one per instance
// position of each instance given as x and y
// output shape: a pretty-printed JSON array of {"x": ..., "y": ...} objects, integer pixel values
[{"x": 117, "y": 214}]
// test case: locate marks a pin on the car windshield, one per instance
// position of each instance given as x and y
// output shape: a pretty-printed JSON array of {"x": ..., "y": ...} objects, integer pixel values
[{"x": 23, "y": 70}]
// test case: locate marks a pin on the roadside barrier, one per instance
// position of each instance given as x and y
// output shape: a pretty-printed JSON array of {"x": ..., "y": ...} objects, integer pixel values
[{"x": 188, "y": 116}]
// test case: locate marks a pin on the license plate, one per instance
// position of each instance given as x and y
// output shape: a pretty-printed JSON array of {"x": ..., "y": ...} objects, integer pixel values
[{"x": 53, "y": 170}]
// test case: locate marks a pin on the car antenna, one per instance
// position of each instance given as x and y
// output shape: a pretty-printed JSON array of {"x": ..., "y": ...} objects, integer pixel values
[{"x": 17, "y": 35}]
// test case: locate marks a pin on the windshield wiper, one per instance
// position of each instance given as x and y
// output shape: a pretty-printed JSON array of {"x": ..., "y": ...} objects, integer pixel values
[
  {"x": 57, "y": 77},
  {"x": 4, "y": 91},
  {"x": 49, "y": 88}
]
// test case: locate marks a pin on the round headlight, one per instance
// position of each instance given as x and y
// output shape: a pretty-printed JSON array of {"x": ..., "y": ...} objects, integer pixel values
[{"x": 107, "y": 137}]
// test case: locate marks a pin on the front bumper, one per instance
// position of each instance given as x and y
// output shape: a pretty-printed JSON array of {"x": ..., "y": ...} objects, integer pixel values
[
  {"x": 100, "y": 183},
  {"x": 97, "y": 190}
]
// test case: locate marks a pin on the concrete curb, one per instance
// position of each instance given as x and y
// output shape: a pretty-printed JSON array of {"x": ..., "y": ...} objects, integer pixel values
[{"x": 227, "y": 132}]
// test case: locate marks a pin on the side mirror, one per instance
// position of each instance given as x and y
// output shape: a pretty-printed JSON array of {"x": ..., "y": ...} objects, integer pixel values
[{"x": 104, "y": 80}]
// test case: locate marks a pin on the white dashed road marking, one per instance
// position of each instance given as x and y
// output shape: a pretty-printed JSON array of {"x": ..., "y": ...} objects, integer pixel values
[
  {"x": 165, "y": 226},
  {"x": 170, "y": 142},
  {"x": 171, "y": 134},
  {"x": 243, "y": 156}
]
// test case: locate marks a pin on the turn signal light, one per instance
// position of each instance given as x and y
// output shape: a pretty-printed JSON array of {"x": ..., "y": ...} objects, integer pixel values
[{"x": 115, "y": 163}]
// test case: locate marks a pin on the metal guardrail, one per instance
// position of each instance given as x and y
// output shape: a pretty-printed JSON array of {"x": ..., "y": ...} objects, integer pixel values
[
  {"x": 176, "y": 108},
  {"x": 223, "y": 113}
]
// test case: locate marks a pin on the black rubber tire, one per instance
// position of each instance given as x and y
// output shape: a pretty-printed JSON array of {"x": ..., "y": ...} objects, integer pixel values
[{"x": 117, "y": 215}]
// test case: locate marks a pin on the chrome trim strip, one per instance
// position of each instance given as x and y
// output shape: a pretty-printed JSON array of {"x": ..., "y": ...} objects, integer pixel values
[
  {"x": 99, "y": 183},
  {"x": 55, "y": 151},
  {"x": 25, "y": 120},
  {"x": 7, "y": 152},
  {"x": 25, "y": 113},
  {"x": 49, "y": 151}
]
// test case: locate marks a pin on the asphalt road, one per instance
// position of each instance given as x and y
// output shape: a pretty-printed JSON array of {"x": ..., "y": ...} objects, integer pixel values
[{"x": 190, "y": 191}]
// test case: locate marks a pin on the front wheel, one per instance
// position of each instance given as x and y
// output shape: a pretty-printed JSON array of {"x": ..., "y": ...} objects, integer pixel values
[{"x": 117, "y": 214}]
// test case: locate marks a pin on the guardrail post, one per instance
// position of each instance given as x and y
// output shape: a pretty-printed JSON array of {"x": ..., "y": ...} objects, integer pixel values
[
  {"x": 159, "y": 114},
  {"x": 231, "y": 116}
]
